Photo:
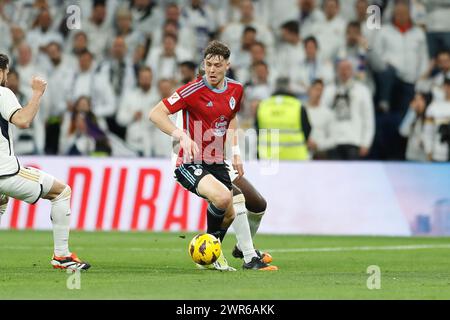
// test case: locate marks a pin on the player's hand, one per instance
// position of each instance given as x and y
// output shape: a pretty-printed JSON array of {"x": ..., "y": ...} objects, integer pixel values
[
  {"x": 190, "y": 148},
  {"x": 137, "y": 115},
  {"x": 38, "y": 85},
  {"x": 238, "y": 166},
  {"x": 312, "y": 145},
  {"x": 363, "y": 152}
]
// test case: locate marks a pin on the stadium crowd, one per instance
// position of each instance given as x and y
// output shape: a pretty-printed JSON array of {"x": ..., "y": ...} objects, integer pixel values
[{"x": 370, "y": 93}]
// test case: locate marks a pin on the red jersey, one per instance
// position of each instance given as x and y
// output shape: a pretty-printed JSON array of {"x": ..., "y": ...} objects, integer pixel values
[{"x": 207, "y": 113}]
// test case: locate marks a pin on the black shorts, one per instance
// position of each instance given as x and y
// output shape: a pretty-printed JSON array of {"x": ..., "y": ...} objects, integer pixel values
[{"x": 189, "y": 175}]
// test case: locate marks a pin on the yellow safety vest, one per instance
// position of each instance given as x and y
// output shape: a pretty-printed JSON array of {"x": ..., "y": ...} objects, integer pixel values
[{"x": 288, "y": 142}]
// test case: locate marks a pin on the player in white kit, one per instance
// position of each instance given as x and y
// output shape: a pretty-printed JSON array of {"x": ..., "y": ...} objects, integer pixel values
[{"x": 29, "y": 184}]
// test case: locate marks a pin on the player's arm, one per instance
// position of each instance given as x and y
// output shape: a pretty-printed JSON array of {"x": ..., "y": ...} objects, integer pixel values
[
  {"x": 159, "y": 115},
  {"x": 23, "y": 117},
  {"x": 237, "y": 161}
]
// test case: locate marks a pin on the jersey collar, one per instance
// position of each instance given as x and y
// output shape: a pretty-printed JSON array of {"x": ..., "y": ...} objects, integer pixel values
[{"x": 225, "y": 85}]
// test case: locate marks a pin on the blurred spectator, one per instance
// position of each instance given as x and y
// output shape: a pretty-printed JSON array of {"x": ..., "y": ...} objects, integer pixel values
[
  {"x": 81, "y": 134},
  {"x": 257, "y": 89},
  {"x": 133, "y": 112},
  {"x": 27, "y": 68},
  {"x": 310, "y": 17},
  {"x": 417, "y": 9},
  {"x": 175, "y": 24},
  {"x": 437, "y": 128},
  {"x": 283, "y": 112},
  {"x": 355, "y": 50},
  {"x": 161, "y": 142},
  {"x": 188, "y": 71},
  {"x": 60, "y": 74},
  {"x": 241, "y": 57},
  {"x": 168, "y": 36},
  {"x": 291, "y": 51},
  {"x": 310, "y": 69},
  {"x": 164, "y": 60},
  {"x": 118, "y": 69},
  {"x": 443, "y": 71},
  {"x": 31, "y": 140},
  {"x": 277, "y": 13},
  {"x": 12, "y": 43},
  {"x": 228, "y": 11},
  {"x": 347, "y": 9},
  {"x": 80, "y": 43},
  {"x": 331, "y": 32},
  {"x": 124, "y": 29},
  {"x": 42, "y": 33},
  {"x": 233, "y": 31},
  {"x": 184, "y": 35},
  {"x": 87, "y": 82},
  {"x": 146, "y": 15},
  {"x": 165, "y": 88},
  {"x": 412, "y": 127},
  {"x": 361, "y": 16},
  {"x": 403, "y": 59},
  {"x": 321, "y": 119},
  {"x": 257, "y": 55},
  {"x": 98, "y": 29},
  {"x": 438, "y": 25},
  {"x": 199, "y": 17},
  {"x": 353, "y": 127}
]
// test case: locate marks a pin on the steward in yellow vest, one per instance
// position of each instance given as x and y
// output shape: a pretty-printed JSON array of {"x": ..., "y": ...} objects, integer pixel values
[{"x": 283, "y": 128}]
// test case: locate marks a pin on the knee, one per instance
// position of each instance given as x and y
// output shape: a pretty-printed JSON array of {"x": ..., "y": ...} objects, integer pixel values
[
  {"x": 62, "y": 189},
  {"x": 222, "y": 200},
  {"x": 259, "y": 205},
  {"x": 59, "y": 191}
]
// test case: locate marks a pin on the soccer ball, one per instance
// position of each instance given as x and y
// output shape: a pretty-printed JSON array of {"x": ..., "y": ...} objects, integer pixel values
[{"x": 204, "y": 249}]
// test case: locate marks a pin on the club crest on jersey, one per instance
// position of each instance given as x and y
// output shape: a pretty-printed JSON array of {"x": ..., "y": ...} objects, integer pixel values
[
  {"x": 232, "y": 103},
  {"x": 220, "y": 126},
  {"x": 174, "y": 98}
]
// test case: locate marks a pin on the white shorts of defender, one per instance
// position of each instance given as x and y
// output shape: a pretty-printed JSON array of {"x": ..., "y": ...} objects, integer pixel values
[{"x": 28, "y": 185}]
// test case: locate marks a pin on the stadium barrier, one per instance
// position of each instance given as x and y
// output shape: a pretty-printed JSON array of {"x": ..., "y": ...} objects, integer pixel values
[{"x": 342, "y": 198}]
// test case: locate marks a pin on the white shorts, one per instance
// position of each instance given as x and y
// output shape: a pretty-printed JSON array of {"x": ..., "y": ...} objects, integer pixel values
[{"x": 28, "y": 185}]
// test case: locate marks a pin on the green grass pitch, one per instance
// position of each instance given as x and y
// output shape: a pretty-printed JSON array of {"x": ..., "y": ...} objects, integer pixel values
[{"x": 157, "y": 266}]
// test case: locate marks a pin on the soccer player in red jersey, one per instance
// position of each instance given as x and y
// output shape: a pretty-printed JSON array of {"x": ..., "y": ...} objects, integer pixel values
[{"x": 209, "y": 106}]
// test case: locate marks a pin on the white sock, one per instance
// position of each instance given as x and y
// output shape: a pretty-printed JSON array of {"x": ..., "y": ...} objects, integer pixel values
[
  {"x": 60, "y": 215},
  {"x": 242, "y": 230},
  {"x": 254, "y": 220}
]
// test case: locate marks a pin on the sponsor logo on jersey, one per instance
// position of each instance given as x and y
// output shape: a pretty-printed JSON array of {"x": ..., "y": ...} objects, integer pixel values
[
  {"x": 220, "y": 126},
  {"x": 232, "y": 103},
  {"x": 174, "y": 98}
]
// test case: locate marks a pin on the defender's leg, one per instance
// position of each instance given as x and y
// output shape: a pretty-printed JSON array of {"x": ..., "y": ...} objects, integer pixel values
[{"x": 254, "y": 202}]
